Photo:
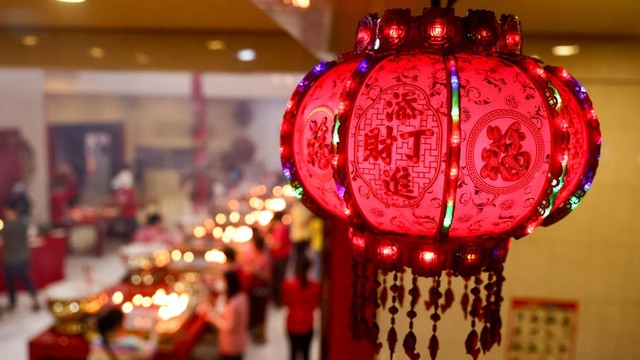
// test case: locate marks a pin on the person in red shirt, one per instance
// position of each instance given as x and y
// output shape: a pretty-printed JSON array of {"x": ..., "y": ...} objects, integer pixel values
[
  {"x": 280, "y": 245},
  {"x": 301, "y": 296},
  {"x": 60, "y": 206}
]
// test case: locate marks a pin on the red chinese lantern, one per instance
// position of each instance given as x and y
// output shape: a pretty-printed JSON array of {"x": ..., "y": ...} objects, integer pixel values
[{"x": 448, "y": 142}]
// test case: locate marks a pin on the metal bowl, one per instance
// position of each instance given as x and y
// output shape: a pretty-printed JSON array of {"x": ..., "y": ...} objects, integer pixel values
[{"x": 71, "y": 302}]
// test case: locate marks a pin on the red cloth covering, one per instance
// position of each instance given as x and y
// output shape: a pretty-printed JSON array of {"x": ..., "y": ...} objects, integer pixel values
[
  {"x": 46, "y": 265},
  {"x": 125, "y": 199},
  {"x": 301, "y": 303}
]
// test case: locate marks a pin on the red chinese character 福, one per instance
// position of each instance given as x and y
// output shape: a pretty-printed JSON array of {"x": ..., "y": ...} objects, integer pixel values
[{"x": 504, "y": 156}]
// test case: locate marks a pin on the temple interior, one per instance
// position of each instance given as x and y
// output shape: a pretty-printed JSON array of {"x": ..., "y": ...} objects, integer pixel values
[{"x": 179, "y": 106}]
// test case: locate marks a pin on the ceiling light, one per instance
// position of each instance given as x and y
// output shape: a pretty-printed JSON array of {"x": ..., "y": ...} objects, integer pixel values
[
  {"x": 246, "y": 55},
  {"x": 216, "y": 45},
  {"x": 303, "y": 4},
  {"x": 96, "y": 52},
  {"x": 71, "y": 1},
  {"x": 565, "y": 50},
  {"x": 30, "y": 40},
  {"x": 142, "y": 58}
]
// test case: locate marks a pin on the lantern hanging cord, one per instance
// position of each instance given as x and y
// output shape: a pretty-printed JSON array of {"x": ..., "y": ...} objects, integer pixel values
[{"x": 438, "y": 3}]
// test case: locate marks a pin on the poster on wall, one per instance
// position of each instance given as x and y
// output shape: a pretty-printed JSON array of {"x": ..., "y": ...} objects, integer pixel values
[{"x": 541, "y": 329}]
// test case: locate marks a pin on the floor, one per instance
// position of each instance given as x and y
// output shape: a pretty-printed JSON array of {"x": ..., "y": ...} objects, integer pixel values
[{"x": 18, "y": 326}]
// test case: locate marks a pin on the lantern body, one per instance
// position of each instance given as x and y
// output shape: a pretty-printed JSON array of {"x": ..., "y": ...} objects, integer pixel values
[{"x": 397, "y": 143}]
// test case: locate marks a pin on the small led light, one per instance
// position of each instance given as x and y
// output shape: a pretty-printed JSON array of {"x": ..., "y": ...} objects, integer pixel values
[
  {"x": 427, "y": 257},
  {"x": 199, "y": 231},
  {"x": 127, "y": 307},
  {"x": 565, "y": 50},
  {"x": 246, "y": 55},
  {"x": 117, "y": 297}
]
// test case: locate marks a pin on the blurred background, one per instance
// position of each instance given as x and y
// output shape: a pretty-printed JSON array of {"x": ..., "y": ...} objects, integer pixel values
[{"x": 189, "y": 96}]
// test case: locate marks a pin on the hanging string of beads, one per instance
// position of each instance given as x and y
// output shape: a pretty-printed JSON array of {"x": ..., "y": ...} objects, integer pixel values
[
  {"x": 374, "y": 305},
  {"x": 410, "y": 340},
  {"x": 436, "y": 295},
  {"x": 392, "y": 335},
  {"x": 475, "y": 312},
  {"x": 448, "y": 294}
]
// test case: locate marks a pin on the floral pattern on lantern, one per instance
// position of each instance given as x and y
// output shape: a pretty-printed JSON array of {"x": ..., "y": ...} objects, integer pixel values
[{"x": 447, "y": 143}]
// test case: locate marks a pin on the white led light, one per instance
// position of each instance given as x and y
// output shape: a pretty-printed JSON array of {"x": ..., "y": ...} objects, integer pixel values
[{"x": 246, "y": 55}]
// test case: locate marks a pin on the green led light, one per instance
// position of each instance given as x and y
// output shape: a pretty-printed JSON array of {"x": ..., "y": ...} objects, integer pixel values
[
  {"x": 448, "y": 216},
  {"x": 336, "y": 138},
  {"x": 557, "y": 188},
  {"x": 557, "y": 96}
]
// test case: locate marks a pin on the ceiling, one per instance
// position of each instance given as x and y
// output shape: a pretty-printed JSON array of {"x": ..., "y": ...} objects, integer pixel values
[{"x": 177, "y": 34}]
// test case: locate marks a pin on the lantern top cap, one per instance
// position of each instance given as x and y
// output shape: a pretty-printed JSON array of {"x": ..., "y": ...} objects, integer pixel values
[{"x": 439, "y": 30}]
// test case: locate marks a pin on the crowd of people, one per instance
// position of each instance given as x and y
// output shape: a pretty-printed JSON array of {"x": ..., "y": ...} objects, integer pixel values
[
  {"x": 265, "y": 273},
  {"x": 273, "y": 269}
]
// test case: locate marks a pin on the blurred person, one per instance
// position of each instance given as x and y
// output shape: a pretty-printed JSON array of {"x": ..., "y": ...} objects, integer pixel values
[
  {"x": 20, "y": 198},
  {"x": 124, "y": 198},
  {"x": 256, "y": 277},
  {"x": 300, "y": 233},
  {"x": 59, "y": 203},
  {"x": 231, "y": 263},
  {"x": 154, "y": 231},
  {"x": 113, "y": 343},
  {"x": 301, "y": 296},
  {"x": 317, "y": 243},
  {"x": 67, "y": 178},
  {"x": 232, "y": 320},
  {"x": 280, "y": 245},
  {"x": 16, "y": 253}
]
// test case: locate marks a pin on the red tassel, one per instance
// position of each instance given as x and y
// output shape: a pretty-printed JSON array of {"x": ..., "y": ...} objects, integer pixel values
[
  {"x": 414, "y": 292},
  {"x": 384, "y": 296},
  {"x": 448, "y": 300},
  {"x": 374, "y": 333},
  {"x": 409, "y": 345},
  {"x": 434, "y": 346},
  {"x": 485, "y": 339},
  {"x": 392, "y": 340},
  {"x": 471, "y": 344},
  {"x": 401, "y": 292},
  {"x": 464, "y": 302}
]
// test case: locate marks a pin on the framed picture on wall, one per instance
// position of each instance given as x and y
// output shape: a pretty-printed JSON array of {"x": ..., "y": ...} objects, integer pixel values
[{"x": 541, "y": 329}]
